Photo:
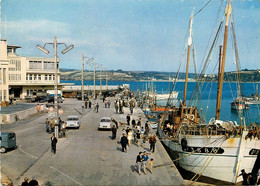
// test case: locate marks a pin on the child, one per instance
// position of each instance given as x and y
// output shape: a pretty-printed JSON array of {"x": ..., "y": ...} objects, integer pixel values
[{"x": 151, "y": 162}]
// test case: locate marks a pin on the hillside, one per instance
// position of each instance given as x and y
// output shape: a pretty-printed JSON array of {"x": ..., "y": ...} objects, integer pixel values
[{"x": 120, "y": 75}]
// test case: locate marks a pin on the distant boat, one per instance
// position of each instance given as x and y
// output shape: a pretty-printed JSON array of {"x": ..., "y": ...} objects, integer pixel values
[
  {"x": 174, "y": 95},
  {"x": 239, "y": 104}
]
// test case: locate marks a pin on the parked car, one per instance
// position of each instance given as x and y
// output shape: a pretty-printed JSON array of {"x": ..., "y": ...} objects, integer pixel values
[
  {"x": 8, "y": 141},
  {"x": 105, "y": 123},
  {"x": 73, "y": 121},
  {"x": 51, "y": 99},
  {"x": 41, "y": 99}
]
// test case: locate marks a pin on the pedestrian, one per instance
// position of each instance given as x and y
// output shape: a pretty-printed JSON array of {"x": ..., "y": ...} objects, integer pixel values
[
  {"x": 52, "y": 125},
  {"x": 97, "y": 106},
  {"x": 33, "y": 182},
  {"x": 105, "y": 103},
  {"x": 108, "y": 103},
  {"x": 139, "y": 160},
  {"x": 38, "y": 108},
  {"x": 133, "y": 123},
  {"x": 124, "y": 142},
  {"x": 135, "y": 131},
  {"x": 89, "y": 104},
  {"x": 114, "y": 130},
  {"x": 145, "y": 159},
  {"x": 139, "y": 122},
  {"x": 47, "y": 123},
  {"x": 25, "y": 182},
  {"x": 63, "y": 129},
  {"x": 245, "y": 177},
  {"x": 128, "y": 119},
  {"x": 146, "y": 126},
  {"x": 53, "y": 143},
  {"x": 115, "y": 122},
  {"x": 59, "y": 124},
  {"x": 127, "y": 130},
  {"x": 152, "y": 142},
  {"x": 123, "y": 132},
  {"x": 130, "y": 137},
  {"x": 142, "y": 132},
  {"x": 138, "y": 136},
  {"x": 151, "y": 163},
  {"x": 116, "y": 107}
]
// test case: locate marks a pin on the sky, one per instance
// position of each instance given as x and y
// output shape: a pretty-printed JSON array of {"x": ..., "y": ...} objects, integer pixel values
[{"x": 135, "y": 35}]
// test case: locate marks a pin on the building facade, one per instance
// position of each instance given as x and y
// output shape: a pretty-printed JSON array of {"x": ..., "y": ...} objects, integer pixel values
[{"x": 23, "y": 76}]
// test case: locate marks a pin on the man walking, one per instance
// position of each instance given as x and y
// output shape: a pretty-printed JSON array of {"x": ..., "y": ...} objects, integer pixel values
[
  {"x": 53, "y": 143},
  {"x": 114, "y": 130},
  {"x": 145, "y": 158},
  {"x": 152, "y": 142},
  {"x": 124, "y": 142},
  {"x": 128, "y": 119},
  {"x": 97, "y": 106},
  {"x": 139, "y": 160}
]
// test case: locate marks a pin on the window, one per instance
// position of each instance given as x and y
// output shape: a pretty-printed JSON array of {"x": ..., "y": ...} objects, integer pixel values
[
  {"x": 17, "y": 64},
  {"x": 30, "y": 77},
  {"x": 39, "y": 77},
  {"x": 35, "y": 77},
  {"x": 50, "y": 77},
  {"x": 4, "y": 76},
  {"x": 46, "y": 77},
  {"x": 28, "y": 93},
  {"x": 48, "y": 65},
  {"x": 35, "y": 64},
  {"x": 27, "y": 77},
  {"x": 53, "y": 77}
]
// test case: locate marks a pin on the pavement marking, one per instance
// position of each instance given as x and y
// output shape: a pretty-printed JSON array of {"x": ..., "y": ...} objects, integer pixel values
[
  {"x": 65, "y": 175},
  {"x": 27, "y": 153}
]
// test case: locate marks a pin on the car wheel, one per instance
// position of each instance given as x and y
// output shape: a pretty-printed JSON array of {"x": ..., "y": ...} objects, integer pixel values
[{"x": 3, "y": 149}]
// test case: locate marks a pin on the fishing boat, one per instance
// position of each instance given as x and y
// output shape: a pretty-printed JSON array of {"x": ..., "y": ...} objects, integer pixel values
[
  {"x": 239, "y": 104},
  {"x": 217, "y": 149},
  {"x": 174, "y": 95}
]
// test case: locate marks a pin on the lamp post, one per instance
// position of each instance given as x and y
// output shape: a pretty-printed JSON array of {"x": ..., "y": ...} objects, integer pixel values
[
  {"x": 43, "y": 49},
  {"x": 94, "y": 79},
  {"x": 106, "y": 80},
  {"x": 100, "y": 66},
  {"x": 82, "y": 78}
]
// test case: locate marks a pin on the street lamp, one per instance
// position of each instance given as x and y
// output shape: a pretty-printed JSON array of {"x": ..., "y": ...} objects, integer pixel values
[
  {"x": 82, "y": 78},
  {"x": 100, "y": 67},
  {"x": 94, "y": 79},
  {"x": 43, "y": 49}
]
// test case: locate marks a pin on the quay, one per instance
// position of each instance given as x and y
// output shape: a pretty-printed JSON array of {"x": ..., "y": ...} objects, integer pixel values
[{"x": 87, "y": 156}]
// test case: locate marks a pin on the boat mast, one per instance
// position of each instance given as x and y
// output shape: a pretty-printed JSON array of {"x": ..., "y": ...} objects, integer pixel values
[
  {"x": 219, "y": 72},
  {"x": 220, "y": 82},
  {"x": 188, "y": 61}
]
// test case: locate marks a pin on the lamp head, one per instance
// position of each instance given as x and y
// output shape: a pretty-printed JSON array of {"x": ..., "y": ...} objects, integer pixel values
[
  {"x": 67, "y": 49},
  {"x": 90, "y": 60},
  {"x": 42, "y": 49}
]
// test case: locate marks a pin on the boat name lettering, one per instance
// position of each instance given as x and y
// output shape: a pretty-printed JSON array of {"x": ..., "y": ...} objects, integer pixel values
[
  {"x": 254, "y": 151},
  {"x": 206, "y": 150}
]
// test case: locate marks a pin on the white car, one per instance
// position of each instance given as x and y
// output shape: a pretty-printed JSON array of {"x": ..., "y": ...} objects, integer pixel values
[
  {"x": 73, "y": 121},
  {"x": 153, "y": 125},
  {"x": 105, "y": 123}
]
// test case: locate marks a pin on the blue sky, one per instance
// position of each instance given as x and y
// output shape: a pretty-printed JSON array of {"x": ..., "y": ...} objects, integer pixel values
[{"x": 128, "y": 34}]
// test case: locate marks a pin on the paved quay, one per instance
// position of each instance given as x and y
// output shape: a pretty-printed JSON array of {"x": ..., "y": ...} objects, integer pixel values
[{"x": 87, "y": 156}]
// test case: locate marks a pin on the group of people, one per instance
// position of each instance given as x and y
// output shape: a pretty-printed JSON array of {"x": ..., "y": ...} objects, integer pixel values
[
  {"x": 248, "y": 178},
  {"x": 26, "y": 182},
  {"x": 119, "y": 105},
  {"x": 107, "y": 102},
  {"x": 137, "y": 134},
  {"x": 142, "y": 160},
  {"x": 50, "y": 126}
]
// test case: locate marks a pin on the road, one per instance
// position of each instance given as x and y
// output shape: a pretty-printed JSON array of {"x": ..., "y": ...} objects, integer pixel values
[{"x": 86, "y": 157}]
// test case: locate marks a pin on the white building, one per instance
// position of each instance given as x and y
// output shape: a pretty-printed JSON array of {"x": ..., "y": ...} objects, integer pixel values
[{"x": 23, "y": 76}]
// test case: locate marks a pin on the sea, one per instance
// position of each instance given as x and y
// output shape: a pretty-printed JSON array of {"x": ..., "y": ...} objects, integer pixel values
[{"x": 206, "y": 102}]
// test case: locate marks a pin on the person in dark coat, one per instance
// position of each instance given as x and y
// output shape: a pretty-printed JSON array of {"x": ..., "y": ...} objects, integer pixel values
[
  {"x": 124, "y": 142},
  {"x": 152, "y": 142},
  {"x": 53, "y": 143},
  {"x": 133, "y": 123},
  {"x": 97, "y": 106},
  {"x": 114, "y": 130},
  {"x": 245, "y": 177},
  {"x": 89, "y": 104},
  {"x": 25, "y": 183},
  {"x": 128, "y": 119}
]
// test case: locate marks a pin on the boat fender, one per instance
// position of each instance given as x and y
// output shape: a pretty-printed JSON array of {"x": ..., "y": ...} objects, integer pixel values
[
  {"x": 184, "y": 144},
  {"x": 191, "y": 117}
]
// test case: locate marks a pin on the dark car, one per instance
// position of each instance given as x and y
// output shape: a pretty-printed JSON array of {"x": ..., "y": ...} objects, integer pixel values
[
  {"x": 41, "y": 99},
  {"x": 51, "y": 99},
  {"x": 7, "y": 141}
]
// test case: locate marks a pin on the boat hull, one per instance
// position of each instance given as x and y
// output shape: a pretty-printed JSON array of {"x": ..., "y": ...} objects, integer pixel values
[{"x": 225, "y": 165}]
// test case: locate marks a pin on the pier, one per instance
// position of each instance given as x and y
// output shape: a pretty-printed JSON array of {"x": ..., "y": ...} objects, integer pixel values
[{"x": 87, "y": 156}]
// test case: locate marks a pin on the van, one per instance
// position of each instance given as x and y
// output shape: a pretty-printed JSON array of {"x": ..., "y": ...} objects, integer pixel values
[{"x": 7, "y": 141}]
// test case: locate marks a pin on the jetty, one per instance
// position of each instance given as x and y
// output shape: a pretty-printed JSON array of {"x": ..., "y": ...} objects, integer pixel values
[{"x": 87, "y": 156}]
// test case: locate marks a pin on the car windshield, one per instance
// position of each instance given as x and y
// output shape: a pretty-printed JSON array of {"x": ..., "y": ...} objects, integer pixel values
[
  {"x": 72, "y": 119},
  {"x": 105, "y": 120}
]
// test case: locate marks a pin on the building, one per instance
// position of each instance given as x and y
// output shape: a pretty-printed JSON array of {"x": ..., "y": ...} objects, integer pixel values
[{"x": 23, "y": 76}]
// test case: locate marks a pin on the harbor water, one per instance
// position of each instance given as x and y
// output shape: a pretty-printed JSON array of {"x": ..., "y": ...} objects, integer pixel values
[{"x": 206, "y": 101}]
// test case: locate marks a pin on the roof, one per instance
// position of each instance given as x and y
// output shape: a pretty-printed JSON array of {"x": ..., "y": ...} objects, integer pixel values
[{"x": 106, "y": 118}]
